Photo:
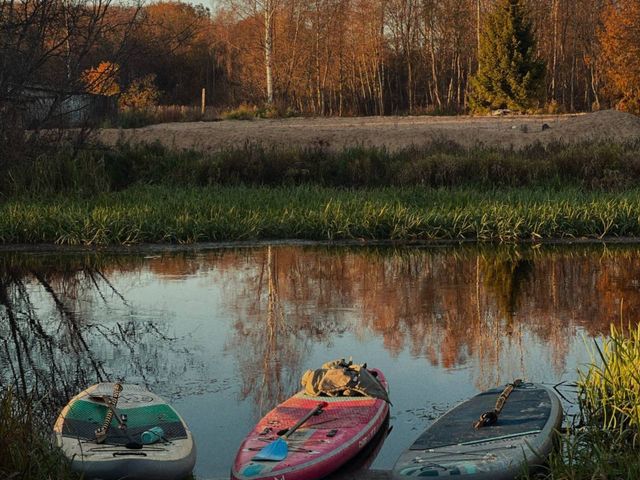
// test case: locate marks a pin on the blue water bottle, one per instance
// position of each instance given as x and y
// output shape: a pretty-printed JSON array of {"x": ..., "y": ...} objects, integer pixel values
[{"x": 152, "y": 435}]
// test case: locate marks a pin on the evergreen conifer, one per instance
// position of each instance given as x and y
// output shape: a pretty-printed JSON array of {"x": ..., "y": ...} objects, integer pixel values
[{"x": 509, "y": 74}]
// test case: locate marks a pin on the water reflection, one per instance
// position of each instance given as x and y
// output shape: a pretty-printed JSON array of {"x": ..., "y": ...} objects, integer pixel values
[
  {"x": 278, "y": 315},
  {"x": 54, "y": 342},
  {"x": 231, "y": 331}
]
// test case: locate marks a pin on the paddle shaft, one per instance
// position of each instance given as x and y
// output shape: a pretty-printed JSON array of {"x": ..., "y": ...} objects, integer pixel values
[
  {"x": 318, "y": 408},
  {"x": 278, "y": 449},
  {"x": 299, "y": 423}
]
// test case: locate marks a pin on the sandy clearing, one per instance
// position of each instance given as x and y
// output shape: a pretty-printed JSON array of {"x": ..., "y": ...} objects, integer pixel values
[{"x": 391, "y": 132}]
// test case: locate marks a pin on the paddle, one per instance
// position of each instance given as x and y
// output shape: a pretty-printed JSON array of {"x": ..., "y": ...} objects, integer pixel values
[{"x": 279, "y": 449}]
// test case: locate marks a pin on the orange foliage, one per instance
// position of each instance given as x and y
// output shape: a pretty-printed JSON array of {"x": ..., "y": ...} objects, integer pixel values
[
  {"x": 364, "y": 57},
  {"x": 141, "y": 94},
  {"x": 102, "y": 80},
  {"x": 620, "y": 40}
]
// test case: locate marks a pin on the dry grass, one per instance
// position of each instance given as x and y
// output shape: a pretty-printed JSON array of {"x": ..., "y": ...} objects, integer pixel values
[{"x": 392, "y": 133}]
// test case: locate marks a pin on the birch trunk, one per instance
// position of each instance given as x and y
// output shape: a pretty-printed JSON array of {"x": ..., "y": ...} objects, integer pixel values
[{"x": 268, "y": 47}]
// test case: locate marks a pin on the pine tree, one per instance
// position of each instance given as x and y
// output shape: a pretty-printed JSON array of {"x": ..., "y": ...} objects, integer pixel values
[{"x": 509, "y": 74}]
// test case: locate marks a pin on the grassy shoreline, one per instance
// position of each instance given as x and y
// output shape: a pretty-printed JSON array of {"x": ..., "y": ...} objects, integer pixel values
[
  {"x": 133, "y": 194},
  {"x": 162, "y": 214}
]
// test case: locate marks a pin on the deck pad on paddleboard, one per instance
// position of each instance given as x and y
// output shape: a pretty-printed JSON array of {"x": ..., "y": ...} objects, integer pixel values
[
  {"x": 525, "y": 411},
  {"x": 172, "y": 457},
  {"x": 323, "y": 443},
  {"x": 521, "y": 439},
  {"x": 84, "y": 416}
]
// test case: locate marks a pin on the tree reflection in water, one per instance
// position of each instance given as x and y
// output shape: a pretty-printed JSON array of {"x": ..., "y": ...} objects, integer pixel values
[
  {"x": 274, "y": 328},
  {"x": 51, "y": 345},
  {"x": 468, "y": 306},
  {"x": 463, "y": 307}
]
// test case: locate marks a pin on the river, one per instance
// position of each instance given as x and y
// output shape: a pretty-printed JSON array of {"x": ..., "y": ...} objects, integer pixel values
[{"x": 225, "y": 334}]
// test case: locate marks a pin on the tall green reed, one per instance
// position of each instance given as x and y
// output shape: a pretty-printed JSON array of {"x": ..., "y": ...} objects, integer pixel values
[
  {"x": 26, "y": 452},
  {"x": 609, "y": 391},
  {"x": 162, "y": 214},
  {"x": 604, "y": 442}
]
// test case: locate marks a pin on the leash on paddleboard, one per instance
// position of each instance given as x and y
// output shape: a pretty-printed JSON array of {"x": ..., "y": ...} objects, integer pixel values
[
  {"x": 101, "y": 433},
  {"x": 111, "y": 402},
  {"x": 491, "y": 417}
]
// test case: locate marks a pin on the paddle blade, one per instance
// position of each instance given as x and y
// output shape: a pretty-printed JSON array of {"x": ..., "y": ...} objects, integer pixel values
[{"x": 274, "y": 452}]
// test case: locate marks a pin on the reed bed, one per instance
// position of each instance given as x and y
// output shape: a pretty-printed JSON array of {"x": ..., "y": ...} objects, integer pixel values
[
  {"x": 610, "y": 388},
  {"x": 161, "y": 214},
  {"x": 26, "y": 452},
  {"x": 605, "y": 442},
  {"x": 147, "y": 193}
]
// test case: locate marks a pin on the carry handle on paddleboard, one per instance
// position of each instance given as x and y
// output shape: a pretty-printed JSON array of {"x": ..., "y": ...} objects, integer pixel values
[
  {"x": 279, "y": 449},
  {"x": 120, "y": 418},
  {"x": 101, "y": 433}
]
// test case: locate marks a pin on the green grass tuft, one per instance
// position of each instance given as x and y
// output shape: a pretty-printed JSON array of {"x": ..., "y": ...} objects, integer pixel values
[
  {"x": 161, "y": 214},
  {"x": 26, "y": 452},
  {"x": 610, "y": 388},
  {"x": 604, "y": 443}
]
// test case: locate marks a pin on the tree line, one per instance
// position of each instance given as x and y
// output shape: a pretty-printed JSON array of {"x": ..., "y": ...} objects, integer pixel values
[
  {"x": 337, "y": 57},
  {"x": 322, "y": 57}
]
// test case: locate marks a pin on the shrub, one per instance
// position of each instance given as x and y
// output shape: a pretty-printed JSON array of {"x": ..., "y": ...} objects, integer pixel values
[
  {"x": 141, "y": 94},
  {"x": 103, "y": 79},
  {"x": 243, "y": 112}
]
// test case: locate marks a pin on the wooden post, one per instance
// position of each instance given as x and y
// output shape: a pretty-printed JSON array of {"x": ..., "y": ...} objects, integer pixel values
[{"x": 204, "y": 101}]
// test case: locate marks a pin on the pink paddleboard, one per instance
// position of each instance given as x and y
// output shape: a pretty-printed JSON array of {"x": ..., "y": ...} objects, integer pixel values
[{"x": 321, "y": 445}]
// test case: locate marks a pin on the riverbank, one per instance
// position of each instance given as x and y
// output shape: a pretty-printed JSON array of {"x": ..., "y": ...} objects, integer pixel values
[
  {"x": 602, "y": 442},
  {"x": 25, "y": 450},
  {"x": 441, "y": 192}
]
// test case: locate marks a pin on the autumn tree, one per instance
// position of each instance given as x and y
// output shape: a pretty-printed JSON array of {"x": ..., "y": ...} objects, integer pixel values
[
  {"x": 620, "y": 40},
  {"x": 509, "y": 74},
  {"x": 102, "y": 80},
  {"x": 47, "y": 45},
  {"x": 261, "y": 14},
  {"x": 567, "y": 41},
  {"x": 373, "y": 57}
]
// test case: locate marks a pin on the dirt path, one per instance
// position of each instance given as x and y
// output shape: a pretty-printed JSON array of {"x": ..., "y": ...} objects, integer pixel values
[{"x": 391, "y": 132}]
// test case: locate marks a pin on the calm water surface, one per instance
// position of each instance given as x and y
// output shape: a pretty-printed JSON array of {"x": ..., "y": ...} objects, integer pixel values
[{"x": 226, "y": 334}]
